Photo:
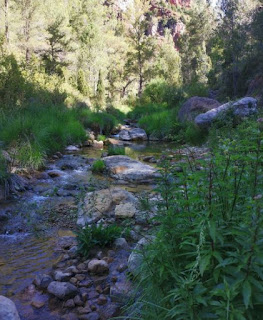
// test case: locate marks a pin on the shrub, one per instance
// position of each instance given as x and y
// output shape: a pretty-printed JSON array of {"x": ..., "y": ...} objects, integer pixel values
[
  {"x": 98, "y": 166},
  {"x": 116, "y": 150},
  {"x": 92, "y": 236},
  {"x": 206, "y": 260}
]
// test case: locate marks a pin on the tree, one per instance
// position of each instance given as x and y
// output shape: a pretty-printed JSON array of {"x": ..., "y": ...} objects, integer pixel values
[
  {"x": 235, "y": 42},
  {"x": 100, "y": 93},
  {"x": 28, "y": 10},
  {"x": 196, "y": 62},
  {"x": 142, "y": 47},
  {"x": 59, "y": 45},
  {"x": 82, "y": 83}
]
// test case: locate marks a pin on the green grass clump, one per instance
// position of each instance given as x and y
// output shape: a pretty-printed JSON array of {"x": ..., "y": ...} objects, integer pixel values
[
  {"x": 98, "y": 166},
  {"x": 158, "y": 124},
  {"x": 33, "y": 134},
  {"x": 116, "y": 150},
  {"x": 99, "y": 122},
  {"x": 93, "y": 236}
]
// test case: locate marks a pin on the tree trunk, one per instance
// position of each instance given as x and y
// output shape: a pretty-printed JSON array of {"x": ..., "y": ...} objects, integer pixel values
[{"x": 6, "y": 9}]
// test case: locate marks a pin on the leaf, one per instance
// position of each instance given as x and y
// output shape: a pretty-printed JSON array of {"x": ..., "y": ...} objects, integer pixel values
[
  {"x": 212, "y": 230},
  {"x": 204, "y": 263},
  {"x": 246, "y": 291}
]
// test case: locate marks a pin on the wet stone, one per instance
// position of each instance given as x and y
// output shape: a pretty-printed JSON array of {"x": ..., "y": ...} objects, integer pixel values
[
  {"x": 69, "y": 304},
  {"x": 62, "y": 276},
  {"x": 98, "y": 266},
  {"x": 42, "y": 281},
  {"x": 80, "y": 277},
  {"x": 74, "y": 281},
  {"x": 102, "y": 300},
  {"x": 86, "y": 283},
  {"x": 84, "y": 310},
  {"x": 78, "y": 301},
  {"x": 93, "y": 295},
  {"x": 122, "y": 267},
  {"x": 38, "y": 301},
  {"x": 82, "y": 267}
]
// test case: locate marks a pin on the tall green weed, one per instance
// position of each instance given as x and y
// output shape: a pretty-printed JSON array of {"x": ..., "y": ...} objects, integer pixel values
[{"x": 206, "y": 260}]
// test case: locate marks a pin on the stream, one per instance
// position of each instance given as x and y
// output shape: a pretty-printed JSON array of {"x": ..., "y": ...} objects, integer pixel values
[{"x": 45, "y": 212}]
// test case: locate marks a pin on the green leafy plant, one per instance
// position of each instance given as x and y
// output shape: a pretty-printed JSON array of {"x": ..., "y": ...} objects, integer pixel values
[
  {"x": 116, "y": 150},
  {"x": 98, "y": 166},
  {"x": 96, "y": 236},
  {"x": 206, "y": 260}
]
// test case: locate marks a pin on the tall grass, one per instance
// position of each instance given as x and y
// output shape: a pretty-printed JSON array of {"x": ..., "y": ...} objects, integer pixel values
[{"x": 32, "y": 134}]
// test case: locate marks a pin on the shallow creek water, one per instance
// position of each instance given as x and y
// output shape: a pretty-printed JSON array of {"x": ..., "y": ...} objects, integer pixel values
[{"x": 27, "y": 240}]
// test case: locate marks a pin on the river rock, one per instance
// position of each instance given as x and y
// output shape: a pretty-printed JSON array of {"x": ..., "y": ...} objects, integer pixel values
[
  {"x": 125, "y": 210},
  {"x": 62, "y": 290},
  {"x": 194, "y": 106},
  {"x": 121, "y": 243},
  {"x": 242, "y": 108},
  {"x": 62, "y": 276},
  {"x": 67, "y": 242},
  {"x": 42, "y": 281},
  {"x": 99, "y": 203},
  {"x": 126, "y": 169},
  {"x": 8, "y": 309},
  {"x": 97, "y": 144},
  {"x": 72, "y": 149},
  {"x": 136, "y": 257},
  {"x": 132, "y": 134},
  {"x": 120, "y": 291},
  {"x": 98, "y": 266}
]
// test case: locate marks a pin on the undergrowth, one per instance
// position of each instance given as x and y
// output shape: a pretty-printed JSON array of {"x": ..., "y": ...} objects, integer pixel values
[{"x": 206, "y": 261}]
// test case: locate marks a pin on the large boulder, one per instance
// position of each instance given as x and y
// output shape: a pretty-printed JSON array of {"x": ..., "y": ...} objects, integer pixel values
[
  {"x": 126, "y": 169},
  {"x": 242, "y": 108},
  {"x": 62, "y": 290},
  {"x": 132, "y": 134},
  {"x": 8, "y": 309},
  {"x": 194, "y": 106},
  {"x": 102, "y": 203}
]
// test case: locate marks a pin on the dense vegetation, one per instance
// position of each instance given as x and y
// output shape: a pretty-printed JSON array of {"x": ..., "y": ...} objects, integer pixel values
[
  {"x": 206, "y": 260},
  {"x": 91, "y": 63},
  {"x": 87, "y": 64}
]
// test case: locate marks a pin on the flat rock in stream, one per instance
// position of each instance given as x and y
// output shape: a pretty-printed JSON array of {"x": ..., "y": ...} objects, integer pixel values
[{"x": 129, "y": 170}]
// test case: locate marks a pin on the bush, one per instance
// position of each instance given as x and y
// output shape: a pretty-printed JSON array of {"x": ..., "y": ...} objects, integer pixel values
[
  {"x": 92, "y": 236},
  {"x": 116, "y": 150},
  {"x": 98, "y": 166},
  {"x": 206, "y": 260}
]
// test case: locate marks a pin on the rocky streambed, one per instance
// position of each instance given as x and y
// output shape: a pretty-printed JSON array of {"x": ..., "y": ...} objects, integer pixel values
[{"x": 40, "y": 268}]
